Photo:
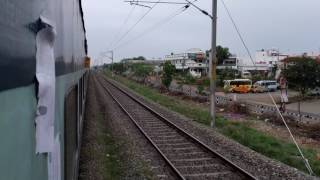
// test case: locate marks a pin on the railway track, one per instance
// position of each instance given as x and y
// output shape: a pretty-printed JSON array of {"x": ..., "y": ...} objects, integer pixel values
[{"x": 187, "y": 157}]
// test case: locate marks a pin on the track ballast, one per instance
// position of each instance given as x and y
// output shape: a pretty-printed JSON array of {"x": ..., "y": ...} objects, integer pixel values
[{"x": 188, "y": 157}]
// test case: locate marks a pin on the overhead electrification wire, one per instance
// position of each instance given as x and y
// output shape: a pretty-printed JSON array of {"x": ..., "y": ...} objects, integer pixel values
[
  {"x": 159, "y": 24},
  {"x": 132, "y": 27},
  {"x": 122, "y": 26},
  {"x": 156, "y": 26},
  {"x": 152, "y": 2}
]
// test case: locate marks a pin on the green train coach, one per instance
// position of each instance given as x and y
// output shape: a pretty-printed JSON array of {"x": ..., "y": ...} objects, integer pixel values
[{"x": 43, "y": 80}]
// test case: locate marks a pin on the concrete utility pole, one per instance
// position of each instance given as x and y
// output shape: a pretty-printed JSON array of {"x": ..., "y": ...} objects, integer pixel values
[
  {"x": 112, "y": 63},
  {"x": 213, "y": 64},
  {"x": 112, "y": 56}
]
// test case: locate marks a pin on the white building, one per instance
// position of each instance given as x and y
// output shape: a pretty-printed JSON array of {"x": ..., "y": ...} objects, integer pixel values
[
  {"x": 193, "y": 60},
  {"x": 269, "y": 58},
  {"x": 264, "y": 60}
]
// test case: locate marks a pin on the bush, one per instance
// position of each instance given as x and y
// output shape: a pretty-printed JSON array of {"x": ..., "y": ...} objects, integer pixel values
[
  {"x": 141, "y": 70},
  {"x": 206, "y": 82},
  {"x": 168, "y": 72},
  {"x": 189, "y": 79},
  {"x": 200, "y": 89}
]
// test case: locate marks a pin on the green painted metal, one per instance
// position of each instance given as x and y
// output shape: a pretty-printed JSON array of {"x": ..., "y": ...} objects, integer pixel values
[
  {"x": 18, "y": 160},
  {"x": 17, "y": 136}
]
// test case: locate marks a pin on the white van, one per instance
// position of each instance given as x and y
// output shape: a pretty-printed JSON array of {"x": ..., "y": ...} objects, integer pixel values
[
  {"x": 315, "y": 91},
  {"x": 264, "y": 86}
]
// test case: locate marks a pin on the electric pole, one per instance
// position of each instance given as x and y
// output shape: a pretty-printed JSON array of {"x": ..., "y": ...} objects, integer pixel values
[
  {"x": 213, "y": 58},
  {"x": 111, "y": 63},
  {"x": 213, "y": 64}
]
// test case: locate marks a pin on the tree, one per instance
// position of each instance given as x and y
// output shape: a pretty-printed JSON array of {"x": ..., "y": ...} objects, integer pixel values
[
  {"x": 225, "y": 74},
  {"x": 222, "y": 54},
  {"x": 118, "y": 67},
  {"x": 302, "y": 74},
  {"x": 139, "y": 58},
  {"x": 168, "y": 71},
  {"x": 142, "y": 70}
]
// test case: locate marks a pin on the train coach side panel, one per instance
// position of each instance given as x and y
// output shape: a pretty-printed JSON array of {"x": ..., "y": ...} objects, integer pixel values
[{"x": 19, "y": 25}]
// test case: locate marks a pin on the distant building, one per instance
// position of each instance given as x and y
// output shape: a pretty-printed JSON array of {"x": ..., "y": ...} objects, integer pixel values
[
  {"x": 269, "y": 58},
  {"x": 133, "y": 61},
  {"x": 264, "y": 60},
  {"x": 193, "y": 60},
  {"x": 154, "y": 62},
  {"x": 230, "y": 63}
]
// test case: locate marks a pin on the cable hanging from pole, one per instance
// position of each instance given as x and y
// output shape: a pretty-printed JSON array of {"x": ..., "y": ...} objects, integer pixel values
[
  {"x": 305, "y": 160},
  {"x": 238, "y": 32}
]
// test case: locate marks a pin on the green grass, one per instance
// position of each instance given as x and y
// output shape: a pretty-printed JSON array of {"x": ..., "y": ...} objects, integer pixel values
[
  {"x": 240, "y": 132},
  {"x": 107, "y": 154},
  {"x": 113, "y": 159}
]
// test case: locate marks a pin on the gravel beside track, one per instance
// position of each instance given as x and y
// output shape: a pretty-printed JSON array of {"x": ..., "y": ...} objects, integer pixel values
[
  {"x": 136, "y": 144},
  {"x": 187, "y": 157},
  {"x": 253, "y": 162}
]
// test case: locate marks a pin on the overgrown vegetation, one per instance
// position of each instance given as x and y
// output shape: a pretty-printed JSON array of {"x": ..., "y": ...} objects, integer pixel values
[
  {"x": 168, "y": 71},
  {"x": 240, "y": 132},
  {"x": 142, "y": 70},
  {"x": 222, "y": 54},
  {"x": 225, "y": 74},
  {"x": 302, "y": 73}
]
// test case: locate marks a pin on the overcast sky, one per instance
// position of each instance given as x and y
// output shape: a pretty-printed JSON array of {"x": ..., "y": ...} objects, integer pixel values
[{"x": 293, "y": 26}]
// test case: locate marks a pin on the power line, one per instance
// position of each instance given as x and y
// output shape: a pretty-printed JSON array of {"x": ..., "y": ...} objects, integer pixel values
[
  {"x": 154, "y": 27},
  {"x": 159, "y": 24},
  {"x": 132, "y": 27},
  {"x": 121, "y": 27},
  {"x": 238, "y": 32},
  {"x": 152, "y": 2}
]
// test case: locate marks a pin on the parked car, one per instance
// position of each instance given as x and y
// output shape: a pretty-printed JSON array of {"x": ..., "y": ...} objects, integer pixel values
[
  {"x": 264, "y": 86},
  {"x": 315, "y": 91}
]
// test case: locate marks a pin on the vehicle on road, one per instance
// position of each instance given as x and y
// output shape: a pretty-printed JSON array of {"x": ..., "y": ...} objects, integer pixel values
[
  {"x": 264, "y": 86},
  {"x": 238, "y": 85},
  {"x": 315, "y": 92}
]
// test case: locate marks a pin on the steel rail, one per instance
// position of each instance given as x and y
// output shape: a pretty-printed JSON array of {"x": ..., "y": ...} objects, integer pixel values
[
  {"x": 174, "y": 169},
  {"x": 183, "y": 132}
]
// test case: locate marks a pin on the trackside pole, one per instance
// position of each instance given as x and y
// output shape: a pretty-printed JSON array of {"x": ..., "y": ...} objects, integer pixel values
[{"x": 213, "y": 64}]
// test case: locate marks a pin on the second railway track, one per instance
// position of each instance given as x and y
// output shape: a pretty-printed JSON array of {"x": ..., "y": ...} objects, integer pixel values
[{"x": 188, "y": 157}]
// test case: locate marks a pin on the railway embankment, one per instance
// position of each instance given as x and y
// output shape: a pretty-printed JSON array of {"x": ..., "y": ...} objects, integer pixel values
[
  {"x": 195, "y": 119},
  {"x": 107, "y": 151}
]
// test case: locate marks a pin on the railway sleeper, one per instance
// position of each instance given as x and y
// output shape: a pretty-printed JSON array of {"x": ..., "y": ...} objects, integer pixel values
[
  {"x": 191, "y": 155},
  {"x": 225, "y": 175},
  {"x": 206, "y": 168}
]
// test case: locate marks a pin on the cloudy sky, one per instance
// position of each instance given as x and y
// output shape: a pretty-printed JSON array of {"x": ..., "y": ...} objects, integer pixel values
[{"x": 293, "y": 26}]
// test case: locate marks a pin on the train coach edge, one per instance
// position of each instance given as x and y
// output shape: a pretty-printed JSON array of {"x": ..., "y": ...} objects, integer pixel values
[{"x": 34, "y": 144}]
